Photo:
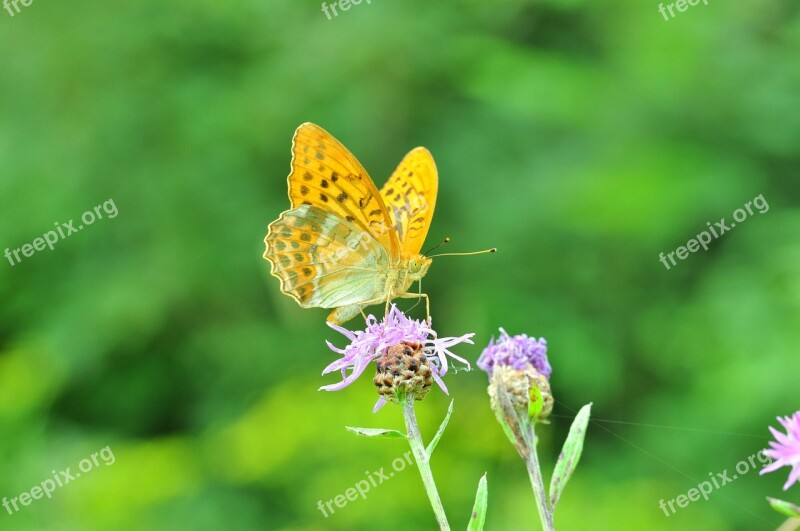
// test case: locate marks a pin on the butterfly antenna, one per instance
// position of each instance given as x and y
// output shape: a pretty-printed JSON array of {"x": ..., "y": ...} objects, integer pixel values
[
  {"x": 492, "y": 250},
  {"x": 446, "y": 240}
]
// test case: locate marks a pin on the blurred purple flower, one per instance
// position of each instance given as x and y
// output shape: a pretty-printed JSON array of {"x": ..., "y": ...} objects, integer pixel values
[
  {"x": 517, "y": 352},
  {"x": 786, "y": 451},
  {"x": 368, "y": 345}
]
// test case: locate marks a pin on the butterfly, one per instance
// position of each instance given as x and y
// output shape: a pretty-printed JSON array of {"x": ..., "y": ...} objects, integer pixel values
[{"x": 344, "y": 244}]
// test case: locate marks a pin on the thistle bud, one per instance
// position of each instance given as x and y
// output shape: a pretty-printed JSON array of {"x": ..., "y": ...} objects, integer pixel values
[
  {"x": 528, "y": 390},
  {"x": 403, "y": 369},
  {"x": 519, "y": 369}
]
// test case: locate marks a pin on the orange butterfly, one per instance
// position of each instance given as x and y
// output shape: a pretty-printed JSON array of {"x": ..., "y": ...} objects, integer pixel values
[{"x": 344, "y": 244}]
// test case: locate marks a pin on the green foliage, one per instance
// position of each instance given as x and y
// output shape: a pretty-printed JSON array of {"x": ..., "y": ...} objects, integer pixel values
[
  {"x": 432, "y": 445},
  {"x": 570, "y": 455},
  {"x": 377, "y": 433},
  {"x": 478, "y": 517},
  {"x": 785, "y": 508}
]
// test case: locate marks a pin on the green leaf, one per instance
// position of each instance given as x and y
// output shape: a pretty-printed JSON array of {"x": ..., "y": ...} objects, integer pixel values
[
  {"x": 536, "y": 403},
  {"x": 785, "y": 508},
  {"x": 442, "y": 426},
  {"x": 570, "y": 454},
  {"x": 377, "y": 432},
  {"x": 516, "y": 429},
  {"x": 478, "y": 517}
]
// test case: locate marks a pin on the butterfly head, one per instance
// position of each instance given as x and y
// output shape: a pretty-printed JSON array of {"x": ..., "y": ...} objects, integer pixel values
[{"x": 418, "y": 266}]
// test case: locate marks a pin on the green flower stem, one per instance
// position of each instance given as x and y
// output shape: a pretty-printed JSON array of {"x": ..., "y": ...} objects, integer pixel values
[
  {"x": 537, "y": 482},
  {"x": 423, "y": 462},
  {"x": 790, "y": 525}
]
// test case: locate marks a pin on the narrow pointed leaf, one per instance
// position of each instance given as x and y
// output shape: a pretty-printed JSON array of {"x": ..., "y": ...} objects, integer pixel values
[
  {"x": 377, "y": 432},
  {"x": 478, "y": 517},
  {"x": 516, "y": 429},
  {"x": 510, "y": 433},
  {"x": 570, "y": 454},
  {"x": 785, "y": 508},
  {"x": 442, "y": 426}
]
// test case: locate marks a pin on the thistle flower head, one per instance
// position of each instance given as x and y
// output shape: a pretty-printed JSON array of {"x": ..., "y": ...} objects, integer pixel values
[
  {"x": 373, "y": 342},
  {"x": 785, "y": 449},
  {"x": 403, "y": 370},
  {"x": 518, "y": 352}
]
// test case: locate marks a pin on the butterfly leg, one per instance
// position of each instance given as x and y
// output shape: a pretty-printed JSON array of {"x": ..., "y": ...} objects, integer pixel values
[
  {"x": 391, "y": 295},
  {"x": 419, "y": 299},
  {"x": 418, "y": 296}
]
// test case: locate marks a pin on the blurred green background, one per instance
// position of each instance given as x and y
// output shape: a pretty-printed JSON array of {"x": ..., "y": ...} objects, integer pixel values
[{"x": 580, "y": 138}]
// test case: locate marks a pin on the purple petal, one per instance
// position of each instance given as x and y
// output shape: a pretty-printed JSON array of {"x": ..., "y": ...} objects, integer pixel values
[
  {"x": 379, "y": 404},
  {"x": 793, "y": 477},
  {"x": 333, "y": 348},
  {"x": 335, "y": 387},
  {"x": 772, "y": 467},
  {"x": 440, "y": 382},
  {"x": 780, "y": 437},
  {"x": 367, "y": 345},
  {"x": 344, "y": 331}
]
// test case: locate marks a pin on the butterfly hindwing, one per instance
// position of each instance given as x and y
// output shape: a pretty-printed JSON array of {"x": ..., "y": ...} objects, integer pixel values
[
  {"x": 327, "y": 176},
  {"x": 323, "y": 260},
  {"x": 410, "y": 198}
]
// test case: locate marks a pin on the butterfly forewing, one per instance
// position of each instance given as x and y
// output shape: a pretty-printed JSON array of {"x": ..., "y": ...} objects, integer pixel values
[
  {"x": 326, "y": 175},
  {"x": 323, "y": 260},
  {"x": 410, "y": 198}
]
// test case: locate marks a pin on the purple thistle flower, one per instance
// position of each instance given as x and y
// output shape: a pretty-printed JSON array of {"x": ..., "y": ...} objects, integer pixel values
[
  {"x": 517, "y": 352},
  {"x": 786, "y": 451},
  {"x": 370, "y": 344}
]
